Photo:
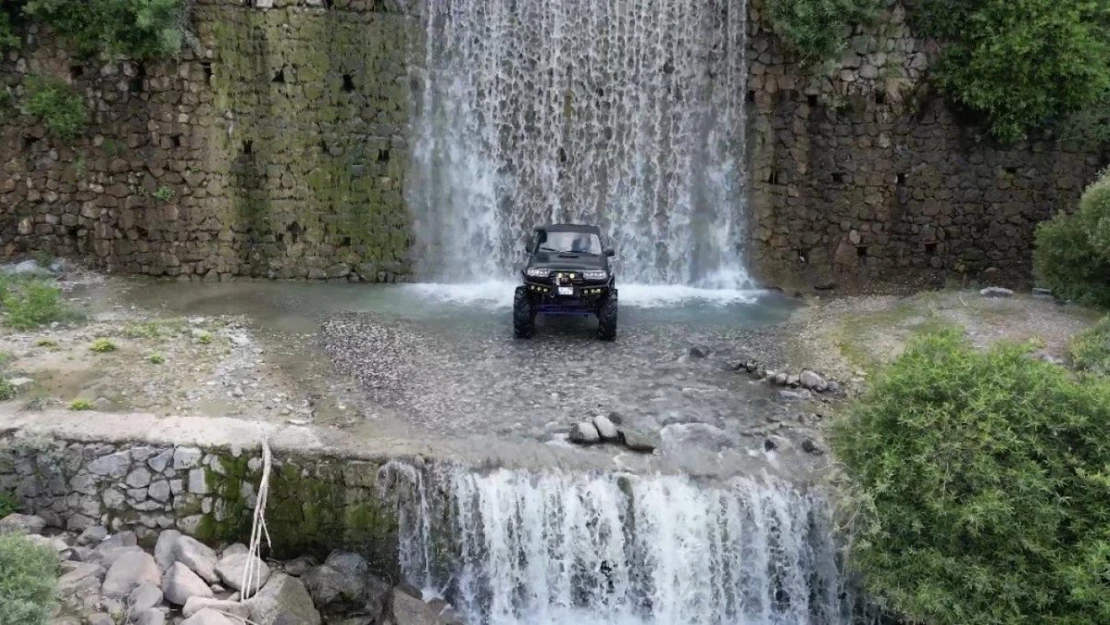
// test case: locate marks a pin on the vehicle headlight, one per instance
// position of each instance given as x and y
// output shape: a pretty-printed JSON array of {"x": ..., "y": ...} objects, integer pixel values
[
  {"x": 598, "y": 274},
  {"x": 537, "y": 272}
]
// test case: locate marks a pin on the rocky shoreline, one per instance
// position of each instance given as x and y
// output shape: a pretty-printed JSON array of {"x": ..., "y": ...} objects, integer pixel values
[{"x": 110, "y": 579}]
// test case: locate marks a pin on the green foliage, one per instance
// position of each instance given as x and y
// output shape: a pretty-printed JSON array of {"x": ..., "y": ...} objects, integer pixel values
[
  {"x": 8, "y": 504},
  {"x": 138, "y": 29},
  {"x": 102, "y": 346},
  {"x": 1023, "y": 64},
  {"x": 1090, "y": 350},
  {"x": 32, "y": 303},
  {"x": 816, "y": 28},
  {"x": 9, "y": 38},
  {"x": 80, "y": 404},
  {"x": 980, "y": 487},
  {"x": 7, "y": 390},
  {"x": 55, "y": 103},
  {"x": 164, "y": 194},
  {"x": 156, "y": 359},
  {"x": 1072, "y": 253},
  {"x": 27, "y": 581}
]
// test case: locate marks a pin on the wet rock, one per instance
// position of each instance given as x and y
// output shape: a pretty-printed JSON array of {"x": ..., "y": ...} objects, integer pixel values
[
  {"x": 300, "y": 566},
  {"x": 584, "y": 433},
  {"x": 234, "y": 549},
  {"x": 376, "y": 595},
  {"x": 231, "y": 569},
  {"x": 94, "y": 535},
  {"x": 111, "y": 555},
  {"x": 200, "y": 558},
  {"x": 769, "y": 445},
  {"x": 129, "y": 572},
  {"x": 209, "y": 617},
  {"x": 792, "y": 380},
  {"x": 699, "y": 352},
  {"x": 996, "y": 291},
  {"x": 81, "y": 578},
  {"x": 347, "y": 563},
  {"x": 23, "y": 523},
  {"x": 642, "y": 441},
  {"x": 145, "y": 597},
  {"x": 182, "y": 583},
  {"x": 794, "y": 395},
  {"x": 196, "y": 604},
  {"x": 283, "y": 600},
  {"x": 833, "y": 387},
  {"x": 409, "y": 610},
  {"x": 165, "y": 548},
  {"x": 813, "y": 381},
  {"x": 332, "y": 590},
  {"x": 149, "y": 617},
  {"x": 780, "y": 379},
  {"x": 605, "y": 428},
  {"x": 811, "y": 447}
]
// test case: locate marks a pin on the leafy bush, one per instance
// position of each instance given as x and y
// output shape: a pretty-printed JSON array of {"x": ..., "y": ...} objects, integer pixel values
[
  {"x": 7, "y": 390},
  {"x": 78, "y": 405},
  {"x": 103, "y": 346},
  {"x": 139, "y": 29},
  {"x": 1090, "y": 350},
  {"x": 30, "y": 304},
  {"x": 27, "y": 581},
  {"x": 1072, "y": 253},
  {"x": 980, "y": 488},
  {"x": 8, "y": 504},
  {"x": 815, "y": 28},
  {"x": 1023, "y": 64},
  {"x": 55, "y": 103},
  {"x": 8, "y": 36}
]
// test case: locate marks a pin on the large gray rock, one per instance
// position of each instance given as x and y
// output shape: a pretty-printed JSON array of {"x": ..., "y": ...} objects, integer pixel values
[
  {"x": 283, "y": 601},
  {"x": 231, "y": 568},
  {"x": 197, "y": 556},
  {"x": 409, "y": 610},
  {"x": 332, "y": 590},
  {"x": 149, "y": 617},
  {"x": 584, "y": 433},
  {"x": 196, "y": 604},
  {"x": 234, "y": 549},
  {"x": 145, "y": 597},
  {"x": 182, "y": 583},
  {"x": 122, "y": 539},
  {"x": 347, "y": 563},
  {"x": 23, "y": 523},
  {"x": 640, "y": 440},
  {"x": 129, "y": 572},
  {"x": 813, "y": 381},
  {"x": 165, "y": 548},
  {"x": 80, "y": 578},
  {"x": 113, "y": 465},
  {"x": 92, "y": 536},
  {"x": 109, "y": 556},
  {"x": 210, "y": 617},
  {"x": 605, "y": 428}
]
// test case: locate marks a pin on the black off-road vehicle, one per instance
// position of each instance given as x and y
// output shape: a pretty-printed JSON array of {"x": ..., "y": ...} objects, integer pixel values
[{"x": 567, "y": 274}]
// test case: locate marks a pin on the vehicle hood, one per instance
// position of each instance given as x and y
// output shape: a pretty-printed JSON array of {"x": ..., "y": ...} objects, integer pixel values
[{"x": 567, "y": 262}]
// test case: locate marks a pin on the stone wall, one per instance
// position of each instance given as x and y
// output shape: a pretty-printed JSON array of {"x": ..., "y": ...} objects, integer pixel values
[
  {"x": 279, "y": 149},
  {"x": 276, "y": 149},
  {"x": 860, "y": 174},
  {"x": 315, "y": 504}
]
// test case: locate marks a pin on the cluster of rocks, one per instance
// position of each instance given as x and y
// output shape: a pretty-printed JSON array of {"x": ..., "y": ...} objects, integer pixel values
[
  {"x": 109, "y": 579},
  {"x": 611, "y": 429},
  {"x": 807, "y": 379}
]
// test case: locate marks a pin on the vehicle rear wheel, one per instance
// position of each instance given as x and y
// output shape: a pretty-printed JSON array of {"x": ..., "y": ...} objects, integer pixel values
[
  {"x": 524, "y": 314},
  {"x": 607, "y": 318}
]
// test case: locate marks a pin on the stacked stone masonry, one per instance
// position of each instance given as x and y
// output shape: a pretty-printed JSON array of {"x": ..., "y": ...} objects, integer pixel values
[
  {"x": 314, "y": 504},
  {"x": 282, "y": 146}
]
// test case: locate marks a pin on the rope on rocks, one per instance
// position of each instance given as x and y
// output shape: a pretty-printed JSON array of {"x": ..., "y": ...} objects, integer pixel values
[{"x": 252, "y": 572}]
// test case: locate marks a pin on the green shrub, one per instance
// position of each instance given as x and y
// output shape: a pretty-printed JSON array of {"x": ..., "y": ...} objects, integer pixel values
[
  {"x": 1072, "y": 251},
  {"x": 102, "y": 346},
  {"x": 1022, "y": 64},
  {"x": 78, "y": 405},
  {"x": 979, "y": 487},
  {"x": 1090, "y": 350},
  {"x": 55, "y": 103},
  {"x": 8, "y": 504},
  {"x": 31, "y": 303},
  {"x": 815, "y": 28},
  {"x": 9, "y": 38},
  {"x": 7, "y": 390},
  {"x": 27, "y": 581},
  {"x": 139, "y": 29},
  {"x": 156, "y": 359}
]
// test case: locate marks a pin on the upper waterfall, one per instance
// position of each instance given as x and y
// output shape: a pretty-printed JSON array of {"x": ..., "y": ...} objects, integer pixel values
[{"x": 625, "y": 113}]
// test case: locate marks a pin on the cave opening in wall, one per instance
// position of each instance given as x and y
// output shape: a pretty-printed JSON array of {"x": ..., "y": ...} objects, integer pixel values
[{"x": 625, "y": 114}]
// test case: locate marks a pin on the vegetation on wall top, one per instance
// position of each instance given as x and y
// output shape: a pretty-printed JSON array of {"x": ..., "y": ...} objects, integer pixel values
[
  {"x": 52, "y": 101},
  {"x": 818, "y": 29},
  {"x": 1072, "y": 253},
  {"x": 980, "y": 486},
  {"x": 1021, "y": 64},
  {"x": 135, "y": 29}
]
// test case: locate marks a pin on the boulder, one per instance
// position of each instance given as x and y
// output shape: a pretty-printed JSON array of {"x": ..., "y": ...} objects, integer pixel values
[
  {"x": 409, "y": 610},
  {"x": 145, "y": 597},
  {"x": 642, "y": 441},
  {"x": 122, "y": 539},
  {"x": 108, "y": 557},
  {"x": 231, "y": 550},
  {"x": 283, "y": 600},
  {"x": 814, "y": 382},
  {"x": 605, "y": 428},
  {"x": 196, "y": 604},
  {"x": 23, "y": 524},
  {"x": 210, "y": 617},
  {"x": 332, "y": 590},
  {"x": 376, "y": 595},
  {"x": 129, "y": 572},
  {"x": 182, "y": 583},
  {"x": 149, "y": 617},
  {"x": 300, "y": 566},
  {"x": 200, "y": 558},
  {"x": 584, "y": 433},
  {"x": 165, "y": 548},
  {"x": 81, "y": 578},
  {"x": 53, "y": 543},
  {"x": 347, "y": 563},
  {"x": 231, "y": 568},
  {"x": 92, "y": 536}
]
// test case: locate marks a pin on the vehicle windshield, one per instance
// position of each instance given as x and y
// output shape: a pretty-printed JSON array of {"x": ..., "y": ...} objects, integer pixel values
[{"x": 569, "y": 242}]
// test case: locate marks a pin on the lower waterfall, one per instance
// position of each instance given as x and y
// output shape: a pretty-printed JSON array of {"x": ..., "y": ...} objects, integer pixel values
[{"x": 558, "y": 548}]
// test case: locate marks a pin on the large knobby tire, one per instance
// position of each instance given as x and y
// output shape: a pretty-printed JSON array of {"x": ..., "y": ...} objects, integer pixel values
[
  {"x": 607, "y": 319},
  {"x": 524, "y": 315}
]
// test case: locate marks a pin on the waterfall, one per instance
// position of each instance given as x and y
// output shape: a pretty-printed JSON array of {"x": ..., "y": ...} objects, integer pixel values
[
  {"x": 624, "y": 113},
  {"x": 553, "y": 548}
]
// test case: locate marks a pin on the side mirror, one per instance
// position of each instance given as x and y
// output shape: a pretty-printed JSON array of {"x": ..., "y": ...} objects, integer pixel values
[{"x": 610, "y": 252}]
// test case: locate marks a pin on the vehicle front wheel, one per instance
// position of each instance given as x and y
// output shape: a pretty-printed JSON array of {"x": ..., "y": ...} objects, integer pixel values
[
  {"x": 607, "y": 319},
  {"x": 524, "y": 314}
]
